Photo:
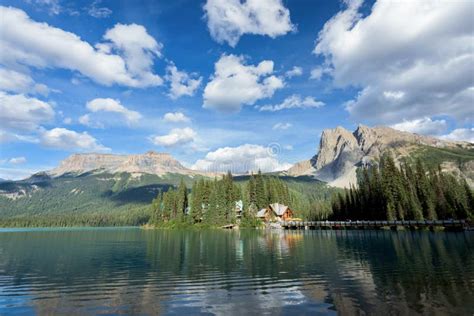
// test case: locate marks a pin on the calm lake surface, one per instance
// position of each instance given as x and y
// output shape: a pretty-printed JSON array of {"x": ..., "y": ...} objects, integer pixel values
[{"x": 133, "y": 271}]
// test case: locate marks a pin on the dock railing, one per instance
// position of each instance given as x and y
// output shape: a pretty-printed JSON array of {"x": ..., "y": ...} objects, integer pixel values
[{"x": 413, "y": 224}]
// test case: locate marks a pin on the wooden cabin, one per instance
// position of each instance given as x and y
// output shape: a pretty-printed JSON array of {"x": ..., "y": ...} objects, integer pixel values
[
  {"x": 265, "y": 215},
  {"x": 275, "y": 211},
  {"x": 282, "y": 212}
]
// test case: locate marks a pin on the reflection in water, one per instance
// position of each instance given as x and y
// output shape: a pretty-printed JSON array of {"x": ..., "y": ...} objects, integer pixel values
[{"x": 93, "y": 271}]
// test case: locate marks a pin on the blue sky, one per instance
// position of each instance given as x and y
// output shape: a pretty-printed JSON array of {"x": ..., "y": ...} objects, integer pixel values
[{"x": 219, "y": 80}]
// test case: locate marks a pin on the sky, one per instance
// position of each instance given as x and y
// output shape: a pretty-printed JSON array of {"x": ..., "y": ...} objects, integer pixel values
[{"x": 226, "y": 84}]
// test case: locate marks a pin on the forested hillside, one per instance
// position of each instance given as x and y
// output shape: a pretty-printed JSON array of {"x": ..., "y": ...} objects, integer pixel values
[
  {"x": 410, "y": 192},
  {"x": 87, "y": 199},
  {"x": 104, "y": 199}
]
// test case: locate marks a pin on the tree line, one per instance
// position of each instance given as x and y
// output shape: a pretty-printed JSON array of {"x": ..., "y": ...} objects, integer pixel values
[
  {"x": 213, "y": 202},
  {"x": 388, "y": 192}
]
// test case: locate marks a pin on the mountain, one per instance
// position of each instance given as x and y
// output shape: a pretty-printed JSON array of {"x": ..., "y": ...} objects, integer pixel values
[
  {"x": 105, "y": 190},
  {"x": 149, "y": 163},
  {"x": 341, "y": 152},
  {"x": 97, "y": 189}
]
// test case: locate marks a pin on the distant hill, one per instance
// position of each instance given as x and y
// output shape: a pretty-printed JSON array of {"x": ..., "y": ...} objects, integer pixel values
[{"x": 341, "y": 152}]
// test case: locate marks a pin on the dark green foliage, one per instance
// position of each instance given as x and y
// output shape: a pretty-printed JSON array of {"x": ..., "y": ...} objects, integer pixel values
[
  {"x": 213, "y": 202},
  {"x": 85, "y": 200},
  {"x": 386, "y": 192},
  {"x": 122, "y": 199}
]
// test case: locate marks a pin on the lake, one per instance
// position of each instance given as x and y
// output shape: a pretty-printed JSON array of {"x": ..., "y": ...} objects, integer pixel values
[{"x": 86, "y": 271}]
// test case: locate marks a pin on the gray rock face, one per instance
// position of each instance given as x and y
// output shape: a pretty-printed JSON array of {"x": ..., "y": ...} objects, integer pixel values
[
  {"x": 341, "y": 152},
  {"x": 150, "y": 162}
]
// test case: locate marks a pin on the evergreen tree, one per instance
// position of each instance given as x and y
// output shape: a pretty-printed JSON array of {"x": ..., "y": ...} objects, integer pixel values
[
  {"x": 181, "y": 200},
  {"x": 260, "y": 194}
]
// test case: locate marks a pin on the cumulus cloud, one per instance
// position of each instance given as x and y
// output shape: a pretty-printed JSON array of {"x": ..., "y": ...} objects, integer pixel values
[
  {"x": 282, "y": 126},
  {"x": 294, "y": 101},
  {"x": 176, "y": 137},
  {"x": 176, "y": 117},
  {"x": 125, "y": 57},
  {"x": 228, "y": 20},
  {"x": 242, "y": 159},
  {"x": 113, "y": 106},
  {"x": 235, "y": 84},
  {"x": 14, "y": 81},
  {"x": 20, "y": 112},
  {"x": 421, "y": 65},
  {"x": 424, "y": 126},
  {"x": 61, "y": 138},
  {"x": 294, "y": 72},
  {"x": 17, "y": 160},
  {"x": 181, "y": 83},
  {"x": 460, "y": 134}
]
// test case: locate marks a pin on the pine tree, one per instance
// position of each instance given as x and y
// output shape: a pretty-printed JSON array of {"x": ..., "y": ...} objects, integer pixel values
[
  {"x": 424, "y": 192},
  {"x": 181, "y": 201},
  {"x": 197, "y": 201},
  {"x": 260, "y": 195},
  {"x": 156, "y": 215},
  {"x": 469, "y": 199}
]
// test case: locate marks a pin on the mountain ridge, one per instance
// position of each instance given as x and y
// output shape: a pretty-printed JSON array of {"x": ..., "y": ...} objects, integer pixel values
[
  {"x": 341, "y": 152},
  {"x": 150, "y": 162}
]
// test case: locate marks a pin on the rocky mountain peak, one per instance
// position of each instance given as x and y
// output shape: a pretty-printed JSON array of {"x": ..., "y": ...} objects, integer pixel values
[
  {"x": 151, "y": 162},
  {"x": 341, "y": 151},
  {"x": 333, "y": 143}
]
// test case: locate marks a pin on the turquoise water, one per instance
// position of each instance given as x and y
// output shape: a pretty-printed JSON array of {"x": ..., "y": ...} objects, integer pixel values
[{"x": 90, "y": 271}]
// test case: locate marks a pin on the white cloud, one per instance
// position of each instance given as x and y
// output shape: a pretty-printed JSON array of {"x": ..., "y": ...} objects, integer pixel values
[
  {"x": 228, "y": 20},
  {"x": 420, "y": 66},
  {"x": 20, "y": 112},
  {"x": 282, "y": 126},
  {"x": 288, "y": 147},
  {"x": 235, "y": 84},
  {"x": 294, "y": 72},
  {"x": 176, "y": 117},
  {"x": 424, "y": 126},
  {"x": 241, "y": 159},
  {"x": 52, "y": 6},
  {"x": 17, "y": 160},
  {"x": 293, "y": 102},
  {"x": 65, "y": 139},
  {"x": 14, "y": 81},
  {"x": 461, "y": 134},
  {"x": 67, "y": 120},
  {"x": 138, "y": 49},
  {"x": 176, "y": 137},
  {"x": 317, "y": 73},
  {"x": 124, "y": 58},
  {"x": 114, "y": 106},
  {"x": 86, "y": 120},
  {"x": 98, "y": 12},
  {"x": 11, "y": 137},
  {"x": 181, "y": 83}
]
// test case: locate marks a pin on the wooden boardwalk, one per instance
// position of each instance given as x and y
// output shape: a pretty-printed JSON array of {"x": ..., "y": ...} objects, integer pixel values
[{"x": 444, "y": 224}]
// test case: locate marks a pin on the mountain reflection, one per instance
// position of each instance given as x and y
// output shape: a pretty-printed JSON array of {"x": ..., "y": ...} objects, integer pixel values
[{"x": 134, "y": 271}]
